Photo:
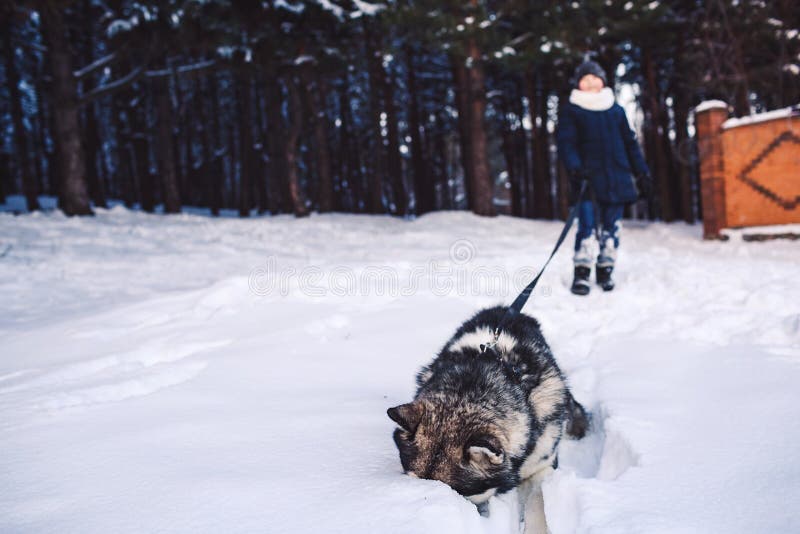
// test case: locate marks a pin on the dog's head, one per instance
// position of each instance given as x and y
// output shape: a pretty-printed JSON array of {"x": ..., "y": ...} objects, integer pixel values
[{"x": 460, "y": 444}]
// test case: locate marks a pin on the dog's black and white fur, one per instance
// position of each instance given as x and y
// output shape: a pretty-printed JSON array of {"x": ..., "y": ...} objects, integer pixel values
[{"x": 485, "y": 422}]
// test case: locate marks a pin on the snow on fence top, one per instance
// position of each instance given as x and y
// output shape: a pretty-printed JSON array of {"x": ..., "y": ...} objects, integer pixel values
[
  {"x": 761, "y": 117},
  {"x": 710, "y": 104}
]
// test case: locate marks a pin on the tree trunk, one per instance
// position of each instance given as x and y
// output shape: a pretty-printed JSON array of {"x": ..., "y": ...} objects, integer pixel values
[
  {"x": 655, "y": 144},
  {"x": 73, "y": 194},
  {"x": 147, "y": 183},
  {"x": 244, "y": 102},
  {"x": 165, "y": 151},
  {"x": 394, "y": 161},
  {"x": 280, "y": 197},
  {"x": 233, "y": 154},
  {"x": 91, "y": 137},
  {"x": 461, "y": 89},
  {"x": 683, "y": 156},
  {"x": 482, "y": 187},
  {"x": 350, "y": 152},
  {"x": 207, "y": 145},
  {"x": 522, "y": 146},
  {"x": 672, "y": 169},
  {"x": 290, "y": 150},
  {"x": 375, "y": 180},
  {"x": 259, "y": 160},
  {"x": 537, "y": 98},
  {"x": 5, "y": 174},
  {"x": 137, "y": 115},
  {"x": 510, "y": 156},
  {"x": 314, "y": 102},
  {"x": 439, "y": 147},
  {"x": 43, "y": 160},
  {"x": 214, "y": 166},
  {"x": 123, "y": 173},
  {"x": 346, "y": 183},
  {"x": 183, "y": 139},
  {"x": 316, "y": 99},
  {"x": 20, "y": 138},
  {"x": 95, "y": 183},
  {"x": 424, "y": 191},
  {"x": 741, "y": 103}
]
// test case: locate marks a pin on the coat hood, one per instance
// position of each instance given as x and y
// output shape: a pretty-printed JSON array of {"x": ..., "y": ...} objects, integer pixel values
[{"x": 600, "y": 101}]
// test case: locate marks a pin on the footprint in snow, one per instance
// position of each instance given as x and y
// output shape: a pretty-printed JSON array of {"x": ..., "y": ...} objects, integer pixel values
[{"x": 110, "y": 378}]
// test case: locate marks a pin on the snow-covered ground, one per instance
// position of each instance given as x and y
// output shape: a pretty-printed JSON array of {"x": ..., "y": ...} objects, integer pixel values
[{"x": 187, "y": 374}]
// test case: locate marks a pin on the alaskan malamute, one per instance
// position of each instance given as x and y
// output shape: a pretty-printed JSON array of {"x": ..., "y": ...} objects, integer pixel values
[{"x": 485, "y": 422}]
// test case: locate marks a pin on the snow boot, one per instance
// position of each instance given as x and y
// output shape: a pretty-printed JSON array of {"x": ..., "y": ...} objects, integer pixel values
[
  {"x": 580, "y": 285},
  {"x": 604, "y": 279}
]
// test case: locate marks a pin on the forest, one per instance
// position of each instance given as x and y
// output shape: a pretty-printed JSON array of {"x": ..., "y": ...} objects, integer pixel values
[{"x": 402, "y": 107}]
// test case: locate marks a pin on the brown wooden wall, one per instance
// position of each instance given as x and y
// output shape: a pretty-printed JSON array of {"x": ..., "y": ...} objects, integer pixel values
[{"x": 749, "y": 173}]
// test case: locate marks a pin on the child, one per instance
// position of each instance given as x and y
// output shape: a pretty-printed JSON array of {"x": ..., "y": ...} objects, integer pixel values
[{"x": 596, "y": 144}]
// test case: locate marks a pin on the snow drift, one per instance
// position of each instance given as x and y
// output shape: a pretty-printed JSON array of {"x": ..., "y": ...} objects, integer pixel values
[{"x": 155, "y": 376}]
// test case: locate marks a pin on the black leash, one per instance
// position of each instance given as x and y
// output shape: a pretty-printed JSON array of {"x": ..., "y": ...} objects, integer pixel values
[{"x": 519, "y": 303}]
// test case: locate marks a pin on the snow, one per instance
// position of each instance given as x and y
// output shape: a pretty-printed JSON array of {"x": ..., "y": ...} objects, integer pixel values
[
  {"x": 294, "y": 8},
  {"x": 336, "y": 10},
  {"x": 188, "y": 374},
  {"x": 305, "y": 58},
  {"x": 783, "y": 113},
  {"x": 710, "y": 104},
  {"x": 120, "y": 26},
  {"x": 767, "y": 230},
  {"x": 366, "y": 8}
]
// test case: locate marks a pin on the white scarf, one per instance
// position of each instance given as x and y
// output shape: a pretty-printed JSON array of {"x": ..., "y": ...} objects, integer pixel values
[{"x": 599, "y": 101}]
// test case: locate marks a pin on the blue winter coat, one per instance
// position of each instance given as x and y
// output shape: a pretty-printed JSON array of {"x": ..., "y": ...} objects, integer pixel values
[{"x": 601, "y": 143}]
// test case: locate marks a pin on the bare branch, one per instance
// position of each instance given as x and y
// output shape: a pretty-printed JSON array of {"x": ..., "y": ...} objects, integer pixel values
[
  {"x": 98, "y": 64},
  {"x": 517, "y": 40},
  {"x": 114, "y": 86},
  {"x": 28, "y": 44},
  {"x": 140, "y": 71},
  {"x": 193, "y": 69}
]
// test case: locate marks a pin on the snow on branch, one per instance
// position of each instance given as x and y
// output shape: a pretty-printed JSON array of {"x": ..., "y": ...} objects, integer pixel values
[
  {"x": 120, "y": 26},
  {"x": 335, "y": 9},
  {"x": 361, "y": 8},
  {"x": 294, "y": 8},
  {"x": 305, "y": 58},
  {"x": 366, "y": 8}
]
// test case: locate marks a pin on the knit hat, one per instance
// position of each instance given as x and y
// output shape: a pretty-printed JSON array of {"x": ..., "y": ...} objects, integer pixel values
[{"x": 590, "y": 67}]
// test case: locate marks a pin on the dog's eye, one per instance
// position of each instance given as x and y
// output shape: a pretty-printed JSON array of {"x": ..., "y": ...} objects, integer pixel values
[{"x": 486, "y": 444}]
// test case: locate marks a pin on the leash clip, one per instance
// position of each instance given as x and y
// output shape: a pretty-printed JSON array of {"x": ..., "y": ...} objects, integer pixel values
[{"x": 495, "y": 336}]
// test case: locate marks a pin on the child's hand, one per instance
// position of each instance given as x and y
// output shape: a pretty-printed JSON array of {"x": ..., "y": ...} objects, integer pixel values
[
  {"x": 576, "y": 178},
  {"x": 644, "y": 183}
]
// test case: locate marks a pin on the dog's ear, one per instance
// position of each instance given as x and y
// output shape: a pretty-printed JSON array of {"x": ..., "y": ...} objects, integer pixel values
[
  {"x": 485, "y": 452},
  {"x": 407, "y": 415}
]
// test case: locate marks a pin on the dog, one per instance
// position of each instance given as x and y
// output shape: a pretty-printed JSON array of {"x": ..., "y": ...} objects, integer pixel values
[{"x": 485, "y": 422}]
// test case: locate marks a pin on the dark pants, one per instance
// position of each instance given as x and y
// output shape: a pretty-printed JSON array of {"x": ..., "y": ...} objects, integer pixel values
[{"x": 610, "y": 216}]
